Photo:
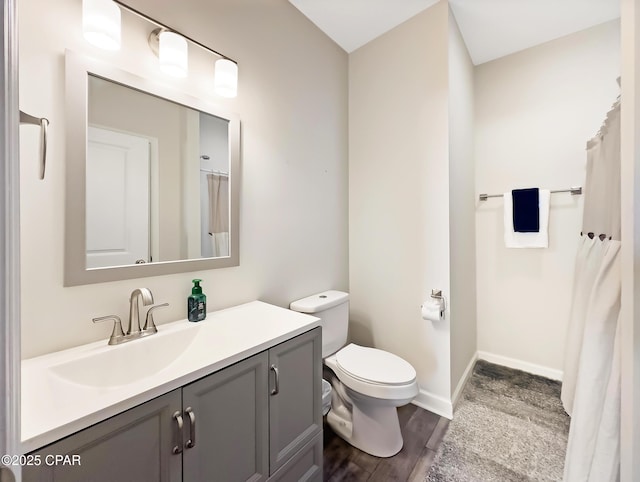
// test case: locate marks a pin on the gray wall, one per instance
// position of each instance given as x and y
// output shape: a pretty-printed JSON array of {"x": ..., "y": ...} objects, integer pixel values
[
  {"x": 399, "y": 196},
  {"x": 462, "y": 208},
  {"x": 535, "y": 111}
]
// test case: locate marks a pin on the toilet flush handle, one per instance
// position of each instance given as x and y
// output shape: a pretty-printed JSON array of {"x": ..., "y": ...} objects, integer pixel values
[{"x": 276, "y": 388}]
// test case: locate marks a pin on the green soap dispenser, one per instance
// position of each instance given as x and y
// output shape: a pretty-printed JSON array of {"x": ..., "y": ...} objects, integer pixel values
[{"x": 197, "y": 303}]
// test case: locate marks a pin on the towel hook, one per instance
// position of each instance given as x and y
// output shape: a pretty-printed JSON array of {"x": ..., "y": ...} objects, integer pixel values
[{"x": 43, "y": 122}]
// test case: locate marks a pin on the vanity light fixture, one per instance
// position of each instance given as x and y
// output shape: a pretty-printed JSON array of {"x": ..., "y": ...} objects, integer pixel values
[
  {"x": 101, "y": 26},
  {"x": 101, "y": 23}
]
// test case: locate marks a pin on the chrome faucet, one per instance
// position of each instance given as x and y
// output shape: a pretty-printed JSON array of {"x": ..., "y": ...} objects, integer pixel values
[
  {"x": 134, "y": 309},
  {"x": 118, "y": 335}
]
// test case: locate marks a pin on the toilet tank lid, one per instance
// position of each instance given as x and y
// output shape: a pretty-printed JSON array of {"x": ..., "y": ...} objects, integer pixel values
[{"x": 321, "y": 301}]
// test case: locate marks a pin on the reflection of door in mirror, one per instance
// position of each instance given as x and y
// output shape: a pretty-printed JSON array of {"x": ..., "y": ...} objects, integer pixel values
[{"x": 117, "y": 211}]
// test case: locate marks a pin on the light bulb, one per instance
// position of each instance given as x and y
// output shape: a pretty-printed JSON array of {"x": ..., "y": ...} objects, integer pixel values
[
  {"x": 173, "y": 54},
  {"x": 225, "y": 81},
  {"x": 101, "y": 23}
]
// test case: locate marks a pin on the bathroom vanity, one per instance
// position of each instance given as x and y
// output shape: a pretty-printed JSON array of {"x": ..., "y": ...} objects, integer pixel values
[{"x": 247, "y": 405}]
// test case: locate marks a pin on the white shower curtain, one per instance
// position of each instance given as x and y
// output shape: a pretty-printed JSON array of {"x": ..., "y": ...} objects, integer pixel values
[
  {"x": 591, "y": 381},
  {"x": 219, "y": 214}
]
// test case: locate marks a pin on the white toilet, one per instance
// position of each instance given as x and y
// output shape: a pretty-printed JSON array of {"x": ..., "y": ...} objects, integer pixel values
[{"x": 368, "y": 384}]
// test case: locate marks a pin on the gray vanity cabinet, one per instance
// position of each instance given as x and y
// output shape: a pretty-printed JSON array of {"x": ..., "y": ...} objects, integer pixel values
[
  {"x": 254, "y": 417},
  {"x": 258, "y": 419},
  {"x": 131, "y": 446},
  {"x": 295, "y": 405},
  {"x": 231, "y": 420}
]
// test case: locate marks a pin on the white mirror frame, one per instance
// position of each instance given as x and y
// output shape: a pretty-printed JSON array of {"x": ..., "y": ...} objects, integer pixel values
[{"x": 77, "y": 71}]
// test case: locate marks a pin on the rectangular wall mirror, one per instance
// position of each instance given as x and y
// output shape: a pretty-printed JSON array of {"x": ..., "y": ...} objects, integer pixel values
[{"x": 152, "y": 179}]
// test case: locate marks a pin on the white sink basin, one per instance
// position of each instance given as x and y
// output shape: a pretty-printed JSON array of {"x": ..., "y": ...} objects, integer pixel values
[
  {"x": 112, "y": 366},
  {"x": 69, "y": 390}
]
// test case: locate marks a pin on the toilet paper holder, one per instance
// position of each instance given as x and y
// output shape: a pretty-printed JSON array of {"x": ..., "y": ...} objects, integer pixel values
[{"x": 437, "y": 295}]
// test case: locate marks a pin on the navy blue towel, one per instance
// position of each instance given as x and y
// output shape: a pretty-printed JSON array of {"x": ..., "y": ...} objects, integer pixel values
[{"x": 526, "y": 210}]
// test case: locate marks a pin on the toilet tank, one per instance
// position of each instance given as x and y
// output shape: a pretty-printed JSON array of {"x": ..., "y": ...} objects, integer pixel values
[{"x": 332, "y": 307}]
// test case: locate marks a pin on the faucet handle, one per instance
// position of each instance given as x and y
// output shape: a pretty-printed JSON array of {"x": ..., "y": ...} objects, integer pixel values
[
  {"x": 117, "y": 332},
  {"x": 149, "y": 325}
]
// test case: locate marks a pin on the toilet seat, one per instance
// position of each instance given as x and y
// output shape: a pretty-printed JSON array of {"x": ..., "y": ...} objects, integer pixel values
[
  {"x": 374, "y": 373},
  {"x": 371, "y": 365}
]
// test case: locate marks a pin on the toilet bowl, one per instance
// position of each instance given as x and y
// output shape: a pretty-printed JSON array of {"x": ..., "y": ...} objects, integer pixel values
[
  {"x": 368, "y": 384},
  {"x": 326, "y": 397}
]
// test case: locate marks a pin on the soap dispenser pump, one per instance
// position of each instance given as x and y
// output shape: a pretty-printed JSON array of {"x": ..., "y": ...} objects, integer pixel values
[{"x": 196, "y": 303}]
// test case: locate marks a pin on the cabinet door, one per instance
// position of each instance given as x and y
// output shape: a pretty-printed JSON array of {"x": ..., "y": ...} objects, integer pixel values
[
  {"x": 295, "y": 369},
  {"x": 230, "y": 410},
  {"x": 133, "y": 446}
]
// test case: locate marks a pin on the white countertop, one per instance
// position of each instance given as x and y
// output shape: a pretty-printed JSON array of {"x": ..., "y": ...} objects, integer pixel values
[{"x": 54, "y": 407}]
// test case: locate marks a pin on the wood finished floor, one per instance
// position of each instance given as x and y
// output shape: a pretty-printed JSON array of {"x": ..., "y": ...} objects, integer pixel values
[{"x": 422, "y": 432}]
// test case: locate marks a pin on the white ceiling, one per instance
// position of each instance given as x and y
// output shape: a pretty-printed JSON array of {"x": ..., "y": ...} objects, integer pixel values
[{"x": 491, "y": 28}]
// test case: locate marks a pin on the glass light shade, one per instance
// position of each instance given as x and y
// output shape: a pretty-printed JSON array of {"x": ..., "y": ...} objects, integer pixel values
[
  {"x": 101, "y": 23},
  {"x": 225, "y": 82},
  {"x": 172, "y": 52}
]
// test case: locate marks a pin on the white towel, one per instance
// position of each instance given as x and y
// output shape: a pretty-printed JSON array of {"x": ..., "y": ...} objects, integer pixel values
[{"x": 540, "y": 239}]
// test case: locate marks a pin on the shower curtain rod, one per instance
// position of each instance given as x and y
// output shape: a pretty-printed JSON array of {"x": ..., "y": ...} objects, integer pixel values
[{"x": 575, "y": 191}]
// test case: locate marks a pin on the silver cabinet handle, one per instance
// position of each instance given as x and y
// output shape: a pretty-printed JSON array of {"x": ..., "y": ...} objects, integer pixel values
[
  {"x": 192, "y": 428},
  {"x": 177, "y": 448},
  {"x": 276, "y": 388}
]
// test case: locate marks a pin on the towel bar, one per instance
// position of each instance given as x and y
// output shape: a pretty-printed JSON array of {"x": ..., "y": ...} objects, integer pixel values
[{"x": 575, "y": 191}]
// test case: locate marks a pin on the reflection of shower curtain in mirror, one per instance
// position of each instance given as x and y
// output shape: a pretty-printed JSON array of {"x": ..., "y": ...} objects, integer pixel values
[
  {"x": 219, "y": 213},
  {"x": 591, "y": 381}
]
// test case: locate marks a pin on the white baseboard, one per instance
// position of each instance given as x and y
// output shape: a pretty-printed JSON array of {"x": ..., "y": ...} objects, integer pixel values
[
  {"x": 434, "y": 403},
  {"x": 443, "y": 407},
  {"x": 463, "y": 380},
  {"x": 543, "y": 371}
]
